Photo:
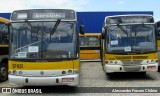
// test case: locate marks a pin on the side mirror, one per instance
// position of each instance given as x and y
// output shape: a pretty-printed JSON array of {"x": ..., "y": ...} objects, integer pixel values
[{"x": 82, "y": 29}]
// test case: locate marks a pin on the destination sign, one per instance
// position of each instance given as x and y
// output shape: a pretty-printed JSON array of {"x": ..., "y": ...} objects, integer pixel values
[
  {"x": 43, "y": 14},
  {"x": 49, "y": 15},
  {"x": 129, "y": 19}
]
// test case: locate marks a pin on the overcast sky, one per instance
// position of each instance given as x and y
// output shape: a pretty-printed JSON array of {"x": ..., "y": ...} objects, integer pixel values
[{"x": 83, "y": 5}]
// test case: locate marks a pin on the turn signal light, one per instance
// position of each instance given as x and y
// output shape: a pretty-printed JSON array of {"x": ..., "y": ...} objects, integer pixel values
[{"x": 106, "y": 62}]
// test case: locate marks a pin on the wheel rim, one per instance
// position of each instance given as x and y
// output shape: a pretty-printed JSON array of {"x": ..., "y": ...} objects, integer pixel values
[{"x": 3, "y": 71}]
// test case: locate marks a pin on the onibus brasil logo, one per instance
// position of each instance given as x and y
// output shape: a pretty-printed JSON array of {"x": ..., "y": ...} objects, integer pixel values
[{"x": 18, "y": 90}]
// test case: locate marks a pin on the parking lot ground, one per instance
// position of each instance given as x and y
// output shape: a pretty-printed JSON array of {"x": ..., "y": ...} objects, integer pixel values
[{"x": 93, "y": 79}]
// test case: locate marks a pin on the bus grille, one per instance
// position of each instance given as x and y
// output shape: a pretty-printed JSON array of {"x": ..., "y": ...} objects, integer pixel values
[
  {"x": 132, "y": 68},
  {"x": 129, "y": 62}
]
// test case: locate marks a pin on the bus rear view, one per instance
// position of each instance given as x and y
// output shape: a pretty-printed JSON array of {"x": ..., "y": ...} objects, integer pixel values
[{"x": 129, "y": 44}]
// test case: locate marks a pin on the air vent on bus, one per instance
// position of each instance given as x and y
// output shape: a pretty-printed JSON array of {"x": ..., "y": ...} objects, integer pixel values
[
  {"x": 140, "y": 57},
  {"x": 123, "y": 57}
]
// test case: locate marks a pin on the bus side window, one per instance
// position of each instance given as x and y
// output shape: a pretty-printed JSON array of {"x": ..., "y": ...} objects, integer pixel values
[
  {"x": 158, "y": 30},
  {"x": 4, "y": 34}
]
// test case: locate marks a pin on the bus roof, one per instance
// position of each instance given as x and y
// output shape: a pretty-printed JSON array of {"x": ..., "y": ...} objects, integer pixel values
[
  {"x": 128, "y": 15},
  {"x": 6, "y": 21},
  {"x": 129, "y": 18}
]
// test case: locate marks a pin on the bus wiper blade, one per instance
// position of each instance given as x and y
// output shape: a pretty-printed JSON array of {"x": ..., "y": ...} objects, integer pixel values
[
  {"x": 55, "y": 26},
  {"x": 29, "y": 24},
  {"x": 122, "y": 29},
  {"x": 1, "y": 27}
]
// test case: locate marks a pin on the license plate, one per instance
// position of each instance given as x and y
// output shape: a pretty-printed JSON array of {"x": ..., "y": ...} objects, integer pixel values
[
  {"x": 67, "y": 79},
  {"x": 151, "y": 67}
]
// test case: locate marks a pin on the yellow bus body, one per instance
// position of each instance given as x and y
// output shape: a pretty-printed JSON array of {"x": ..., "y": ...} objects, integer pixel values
[
  {"x": 141, "y": 62},
  {"x": 3, "y": 54},
  {"x": 59, "y": 65},
  {"x": 131, "y": 57},
  {"x": 54, "y": 68},
  {"x": 91, "y": 53},
  {"x": 115, "y": 60}
]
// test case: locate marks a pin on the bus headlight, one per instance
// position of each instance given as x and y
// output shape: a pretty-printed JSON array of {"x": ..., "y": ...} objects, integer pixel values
[
  {"x": 151, "y": 61},
  {"x": 111, "y": 61},
  {"x": 69, "y": 71},
  {"x": 14, "y": 72},
  {"x": 63, "y": 72},
  {"x": 20, "y": 72}
]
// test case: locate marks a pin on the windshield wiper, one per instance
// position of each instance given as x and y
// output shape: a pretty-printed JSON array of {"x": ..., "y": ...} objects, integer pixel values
[
  {"x": 120, "y": 27},
  {"x": 1, "y": 27},
  {"x": 29, "y": 24},
  {"x": 55, "y": 26}
]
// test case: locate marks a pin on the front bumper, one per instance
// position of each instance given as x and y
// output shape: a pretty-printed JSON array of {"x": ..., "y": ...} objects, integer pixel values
[
  {"x": 110, "y": 68},
  {"x": 44, "y": 81}
]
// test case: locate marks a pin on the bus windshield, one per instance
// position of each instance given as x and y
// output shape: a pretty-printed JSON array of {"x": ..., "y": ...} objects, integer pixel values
[
  {"x": 38, "y": 42},
  {"x": 4, "y": 38},
  {"x": 135, "y": 38},
  {"x": 89, "y": 41}
]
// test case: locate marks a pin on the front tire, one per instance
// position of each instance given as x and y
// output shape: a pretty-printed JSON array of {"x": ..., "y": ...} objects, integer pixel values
[{"x": 3, "y": 72}]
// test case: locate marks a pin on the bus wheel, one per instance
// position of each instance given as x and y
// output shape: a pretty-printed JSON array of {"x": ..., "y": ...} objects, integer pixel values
[{"x": 3, "y": 72}]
